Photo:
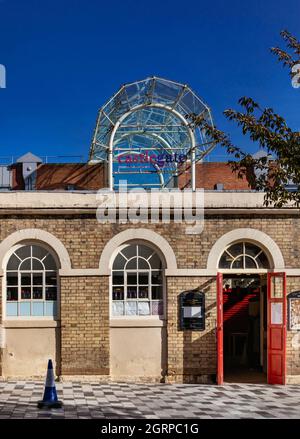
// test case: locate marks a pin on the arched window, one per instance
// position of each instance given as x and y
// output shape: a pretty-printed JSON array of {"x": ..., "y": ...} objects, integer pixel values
[
  {"x": 31, "y": 283},
  {"x": 244, "y": 255},
  {"x": 137, "y": 282}
]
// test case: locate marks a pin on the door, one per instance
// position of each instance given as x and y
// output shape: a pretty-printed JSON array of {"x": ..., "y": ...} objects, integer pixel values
[
  {"x": 220, "y": 356},
  {"x": 276, "y": 328}
]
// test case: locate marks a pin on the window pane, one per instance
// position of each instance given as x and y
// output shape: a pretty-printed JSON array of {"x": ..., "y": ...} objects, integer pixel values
[
  {"x": 118, "y": 278},
  {"x": 25, "y": 293},
  {"x": 37, "y": 293},
  {"x": 236, "y": 249},
  {"x": 49, "y": 262},
  {"x": 131, "y": 278},
  {"x": 144, "y": 251},
  {"x": 157, "y": 292},
  {"x": 38, "y": 252},
  {"x": 12, "y": 309},
  {"x": 249, "y": 263},
  {"x": 143, "y": 264},
  {"x": 51, "y": 293},
  {"x": 118, "y": 308},
  {"x": 129, "y": 251},
  {"x": 37, "y": 279},
  {"x": 118, "y": 293},
  {"x": 262, "y": 261},
  {"x": 51, "y": 278},
  {"x": 251, "y": 249},
  {"x": 143, "y": 278},
  {"x": 12, "y": 293},
  {"x": 13, "y": 263},
  {"x": 131, "y": 308},
  {"x": 132, "y": 264},
  {"x": 12, "y": 279},
  {"x": 38, "y": 309},
  {"x": 25, "y": 265},
  {"x": 157, "y": 308},
  {"x": 155, "y": 262},
  {"x": 37, "y": 265},
  {"x": 238, "y": 263},
  {"x": 131, "y": 292},
  {"x": 24, "y": 252},
  {"x": 156, "y": 277},
  {"x": 143, "y": 292},
  {"x": 25, "y": 279},
  {"x": 144, "y": 308},
  {"x": 225, "y": 261},
  {"x": 119, "y": 262},
  {"x": 50, "y": 308},
  {"x": 25, "y": 309}
]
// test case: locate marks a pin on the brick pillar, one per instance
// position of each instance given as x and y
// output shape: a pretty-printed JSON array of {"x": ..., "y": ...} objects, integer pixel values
[{"x": 85, "y": 325}]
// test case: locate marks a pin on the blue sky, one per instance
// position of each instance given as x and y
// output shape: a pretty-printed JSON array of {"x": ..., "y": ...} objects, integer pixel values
[{"x": 65, "y": 58}]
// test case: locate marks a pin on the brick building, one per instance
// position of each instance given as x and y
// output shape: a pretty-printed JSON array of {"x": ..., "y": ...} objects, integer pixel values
[{"x": 109, "y": 300}]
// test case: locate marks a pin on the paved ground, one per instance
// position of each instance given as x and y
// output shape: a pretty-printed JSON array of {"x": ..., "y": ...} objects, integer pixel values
[{"x": 88, "y": 400}]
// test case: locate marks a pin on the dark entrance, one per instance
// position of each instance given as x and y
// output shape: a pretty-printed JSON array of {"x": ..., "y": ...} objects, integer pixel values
[{"x": 245, "y": 328}]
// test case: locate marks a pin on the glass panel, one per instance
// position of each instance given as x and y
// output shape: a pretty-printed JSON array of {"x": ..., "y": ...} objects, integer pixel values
[
  {"x": 25, "y": 265},
  {"x": 49, "y": 262},
  {"x": 225, "y": 261},
  {"x": 131, "y": 292},
  {"x": 118, "y": 278},
  {"x": 51, "y": 293},
  {"x": 118, "y": 308},
  {"x": 143, "y": 264},
  {"x": 38, "y": 309},
  {"x": 129, "y": 251},
  {"x": 157, "y": 292},
  {"x": 249, "y": 262},
  {"x": 143, "y": 292},
  {"x": 144, "y": 308},
  {"x": 155, "y": 262},
  {"x": 37, "y": 279},
  {"x": 12, "y": 293},
  {"x": 236, "y": 249},
  {"x": 156, "y": 277},
  {"x": 25, "y": 309},
  {"x": 24, "y": 252},
  {"x": 118, "y": 293},
  {"x": 38, "y": 252},
  {"x": 26, "y": 293},
  {"x": 50, "y": 309},
  {"x": 131, "y": 308},
  {"x": 131, "y": 278},
  {"x": 144, "y": 251},
  {"x": 251, "y": 249},
  {"x": 119, "y": 262},
  {"x": 25, "y": 279},
  {"x": 157, "y": 308},
  {"x": 262, "y": 261},
  {"x": 12, "y": 279},
  {"x": 51, "y": 278},
  {"x": 276, "y": 313},
  {"x": 11, "y": 309},
  {"x": 238, "y": 263},
  {"x": 143, "y": 278},
  {"x": 13, "y": 263},
  {"x": 37, "y": 265},
  {"x": 132, "y": 264},
  {"x": 37, "y": 293},
  {"x": 276, "y": 287}
]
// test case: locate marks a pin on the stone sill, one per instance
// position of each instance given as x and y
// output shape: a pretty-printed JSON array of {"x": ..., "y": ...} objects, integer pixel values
[
  {"x": 137, "y": 323},
  {"x": 31, "y": 324}
]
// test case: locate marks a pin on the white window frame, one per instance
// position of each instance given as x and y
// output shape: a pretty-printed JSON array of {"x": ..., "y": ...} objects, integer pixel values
[{"x": 244, "y": 254}]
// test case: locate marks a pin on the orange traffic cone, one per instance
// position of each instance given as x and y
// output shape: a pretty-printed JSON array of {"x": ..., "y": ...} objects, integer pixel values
[{"x": 50, "y": 396}]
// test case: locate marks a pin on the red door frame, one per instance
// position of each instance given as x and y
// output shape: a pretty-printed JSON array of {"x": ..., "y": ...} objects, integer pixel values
[
  {"x": 220, "y": 356},
  {"x": 277, "y": 334}
]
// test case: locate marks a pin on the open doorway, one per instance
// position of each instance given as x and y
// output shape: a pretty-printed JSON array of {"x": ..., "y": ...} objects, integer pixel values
[{"x": 245, "y": 328}]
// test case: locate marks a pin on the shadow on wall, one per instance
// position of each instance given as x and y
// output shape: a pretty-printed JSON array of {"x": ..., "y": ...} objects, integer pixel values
[{"x": 199, "y": 347}]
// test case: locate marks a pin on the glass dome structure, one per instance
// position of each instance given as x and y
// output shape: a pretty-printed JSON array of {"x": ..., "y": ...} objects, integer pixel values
[{"x": 144, "y": 134}]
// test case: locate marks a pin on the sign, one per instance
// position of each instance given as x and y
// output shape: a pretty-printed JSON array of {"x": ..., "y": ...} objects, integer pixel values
[
  {"x": 192, "y": 310},
  {"x": 294, "y": 311}
]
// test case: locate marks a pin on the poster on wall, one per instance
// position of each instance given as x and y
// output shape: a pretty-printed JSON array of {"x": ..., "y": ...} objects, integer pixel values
[{"x": 294, "y": 311}]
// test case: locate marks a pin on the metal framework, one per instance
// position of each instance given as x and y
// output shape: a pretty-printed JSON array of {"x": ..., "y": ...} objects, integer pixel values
[{"x": 144, "y": 134}]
